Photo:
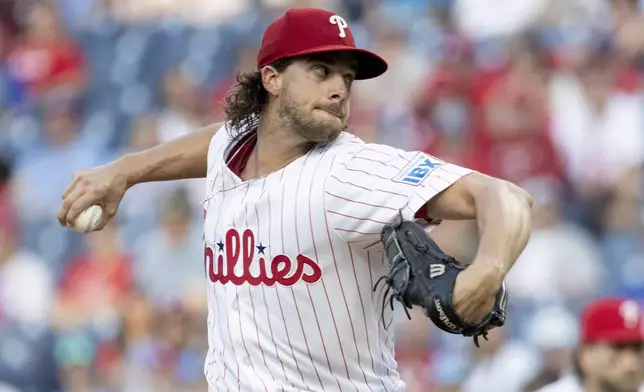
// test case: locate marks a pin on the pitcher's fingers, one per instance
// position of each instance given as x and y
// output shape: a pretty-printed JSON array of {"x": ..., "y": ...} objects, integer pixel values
[
  {"x": 67, "y": 203},
  {"x": 472, "y": 316},
  {"x": 72, "y": 186},
  {"x": 109, "y": 210},
  {"x": 62, "y": 216},
  {"x": 81, "y": 203}
]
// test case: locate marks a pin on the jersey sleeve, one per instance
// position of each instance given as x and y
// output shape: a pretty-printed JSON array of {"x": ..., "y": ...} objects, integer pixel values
[
  {"x": 216, "y": 149},
  {"x": 218, "y": 143},
  {"x": 376, "y": 183}
]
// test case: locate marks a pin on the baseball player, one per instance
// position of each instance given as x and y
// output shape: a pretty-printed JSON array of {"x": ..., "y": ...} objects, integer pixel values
[
  {"x": 611, "y": 355},
  {"x": 295, "y": 209}
]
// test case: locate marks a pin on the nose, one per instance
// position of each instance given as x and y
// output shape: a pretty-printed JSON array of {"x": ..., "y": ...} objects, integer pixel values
[{"x": 337, "y": 88}]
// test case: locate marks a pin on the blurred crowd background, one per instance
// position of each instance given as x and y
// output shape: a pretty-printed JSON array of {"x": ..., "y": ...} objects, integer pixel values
[{"x": 545, "y": 93}]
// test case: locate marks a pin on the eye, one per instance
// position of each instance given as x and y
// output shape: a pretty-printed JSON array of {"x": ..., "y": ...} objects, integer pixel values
[
  {"x": 321, "y": 70},
  {"x": 349, "y": 78}
]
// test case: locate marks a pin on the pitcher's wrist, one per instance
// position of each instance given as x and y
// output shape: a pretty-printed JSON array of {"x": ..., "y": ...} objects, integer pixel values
[
  {"x": 126, "y": 167},
  {"x": 489, "y": 272}
]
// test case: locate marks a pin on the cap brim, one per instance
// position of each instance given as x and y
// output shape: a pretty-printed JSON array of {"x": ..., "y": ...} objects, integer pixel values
[{"x": 370, "y": 65}]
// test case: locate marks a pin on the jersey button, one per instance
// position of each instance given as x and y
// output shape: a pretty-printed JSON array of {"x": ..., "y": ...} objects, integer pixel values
[
  {"x": 246, "y": 361},
  {"x": 235, "y": 305}
]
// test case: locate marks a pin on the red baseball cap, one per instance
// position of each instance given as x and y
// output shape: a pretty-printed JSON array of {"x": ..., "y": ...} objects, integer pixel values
[
  {"x": 307, "y": 31},
  {"x": 614, "y": 320}
]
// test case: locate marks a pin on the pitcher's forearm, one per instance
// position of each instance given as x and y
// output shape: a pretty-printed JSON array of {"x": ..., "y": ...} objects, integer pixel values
[
  {"x": 504, "y": 222},
  {"x": 183, "y": 158}
]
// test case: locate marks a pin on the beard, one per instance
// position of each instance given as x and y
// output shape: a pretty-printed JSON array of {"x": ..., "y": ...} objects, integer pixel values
[{"x": 309, "y": 128}]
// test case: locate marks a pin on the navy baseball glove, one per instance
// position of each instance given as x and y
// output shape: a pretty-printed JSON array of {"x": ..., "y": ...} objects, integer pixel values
[{"x": 421, "y": 274}]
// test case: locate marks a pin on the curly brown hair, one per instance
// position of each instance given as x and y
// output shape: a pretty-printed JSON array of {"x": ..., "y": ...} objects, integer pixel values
[{"x": 246, "y": 100}]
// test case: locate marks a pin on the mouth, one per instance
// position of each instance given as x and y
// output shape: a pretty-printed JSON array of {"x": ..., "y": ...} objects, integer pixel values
[{"x": 333, "y": 113}]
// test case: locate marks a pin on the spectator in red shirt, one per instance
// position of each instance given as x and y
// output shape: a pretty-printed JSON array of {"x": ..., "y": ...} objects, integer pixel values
[
  {"x": 442, "y": 110},
  {"x": 510, "y": 130},
  {"x": 44, "y": 58}
]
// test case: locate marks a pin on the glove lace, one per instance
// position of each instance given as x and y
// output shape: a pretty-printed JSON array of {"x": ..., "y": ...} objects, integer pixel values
[
  {"x": 392, "y": 292},
  {"x": 476, "y": 337}
]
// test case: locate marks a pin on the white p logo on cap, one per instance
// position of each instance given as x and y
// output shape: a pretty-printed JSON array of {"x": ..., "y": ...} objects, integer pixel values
[
  {"x": 630, "y": 312},
  {"x": 341, "y": 23}
]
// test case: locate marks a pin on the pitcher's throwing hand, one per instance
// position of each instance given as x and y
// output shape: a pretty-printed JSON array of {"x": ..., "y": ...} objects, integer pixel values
[{"x": 104, "y": 185}]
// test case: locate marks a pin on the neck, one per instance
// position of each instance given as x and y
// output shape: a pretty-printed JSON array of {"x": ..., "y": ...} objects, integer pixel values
[{"x": 277, "y": 146}]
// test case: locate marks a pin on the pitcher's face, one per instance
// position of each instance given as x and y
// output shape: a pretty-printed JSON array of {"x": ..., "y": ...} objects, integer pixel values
[{"x": 315, "y": 93}]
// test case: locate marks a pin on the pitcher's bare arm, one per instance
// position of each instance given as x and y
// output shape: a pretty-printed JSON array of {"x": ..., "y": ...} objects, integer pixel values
[{"x": 183, "y": 158}]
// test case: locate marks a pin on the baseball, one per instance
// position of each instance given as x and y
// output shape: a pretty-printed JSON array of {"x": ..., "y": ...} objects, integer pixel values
[{"x": 89, "y": 219}]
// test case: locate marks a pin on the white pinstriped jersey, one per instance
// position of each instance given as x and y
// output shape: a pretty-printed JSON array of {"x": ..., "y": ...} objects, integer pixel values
[{"x": 292, "y": 258}]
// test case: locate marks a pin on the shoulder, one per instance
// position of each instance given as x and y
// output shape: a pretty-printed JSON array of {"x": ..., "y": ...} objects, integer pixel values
[
  {"x": 351, "y": 144},
  {"x": 220, "y": 140},
  {"x": 355, "y": 155},
  {"x": 221, "y": 135},
  {"x": 350, "y": 147}
]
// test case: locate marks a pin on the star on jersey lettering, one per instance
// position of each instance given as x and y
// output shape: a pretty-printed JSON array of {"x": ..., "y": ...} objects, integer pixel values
[
  {"x": 260, "y": 248},
  {"x": 238, "y": 249}
]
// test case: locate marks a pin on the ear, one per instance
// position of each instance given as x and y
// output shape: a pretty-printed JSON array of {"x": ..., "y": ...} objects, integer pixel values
[{"x": 271, "y": 80}]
